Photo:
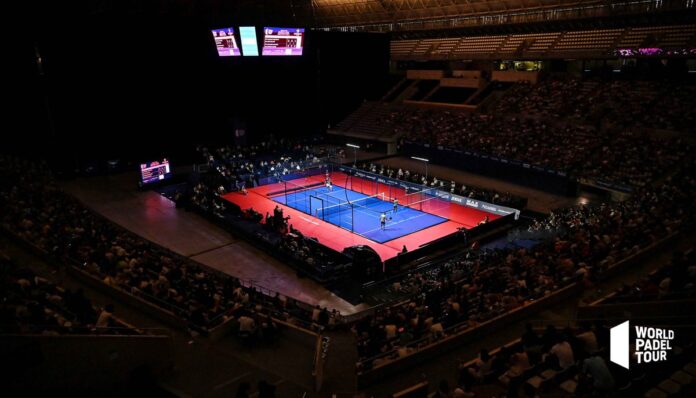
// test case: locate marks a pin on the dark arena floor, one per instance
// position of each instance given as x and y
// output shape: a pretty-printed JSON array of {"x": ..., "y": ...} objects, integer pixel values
[{"x": 354, "y": 199}]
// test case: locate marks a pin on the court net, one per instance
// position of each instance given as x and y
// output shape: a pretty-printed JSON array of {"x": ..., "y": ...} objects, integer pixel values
[
  {"x": 298, "y": 194},
  {"x": 373, "y": 204}
]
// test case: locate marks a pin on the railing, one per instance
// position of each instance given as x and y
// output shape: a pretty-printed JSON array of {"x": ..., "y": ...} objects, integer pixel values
[
  {"x": 456, "y": 335},
  {"x": 303, "y": 323},
  {"x": 425, "y": 342},
  {"x": 320, "y": 354},
  {"x": 120, "y": 331},
  {"x": 435, "y": 192},
  {"x": 550, "y": 14}
]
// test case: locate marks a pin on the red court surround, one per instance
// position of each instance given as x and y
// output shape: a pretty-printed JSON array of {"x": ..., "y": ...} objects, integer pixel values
[{"x": 338, "y": 238}]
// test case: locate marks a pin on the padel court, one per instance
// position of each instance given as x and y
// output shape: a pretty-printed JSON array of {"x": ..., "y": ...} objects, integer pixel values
[
  {"x": 349, "y": 212},
  {"x": 360, "y": 213}
]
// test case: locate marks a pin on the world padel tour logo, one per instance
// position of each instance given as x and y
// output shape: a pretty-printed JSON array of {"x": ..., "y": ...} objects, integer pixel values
[{"x": 651, "y": 344}]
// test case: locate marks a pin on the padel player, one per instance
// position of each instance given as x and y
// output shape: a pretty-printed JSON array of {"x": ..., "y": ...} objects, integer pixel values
[
  {"x": 327, "y": 181},
  {"x": 383, "y": 220},
  {"x": 396, "y": 205}
]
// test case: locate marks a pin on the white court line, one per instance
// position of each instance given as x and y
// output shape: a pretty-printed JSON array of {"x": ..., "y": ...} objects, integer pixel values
[
  {"x": 349, "y": 202},
  {"x": 290, "y": 204},
  {"x": 363, "y": 234},
  {"x": 328, "y": 193},
  {"x": 309, "y": 221},
  {"x": 369, "y": 214},
  {"x": 399, "y": 222},
  {"x": 372, "y": 214}
]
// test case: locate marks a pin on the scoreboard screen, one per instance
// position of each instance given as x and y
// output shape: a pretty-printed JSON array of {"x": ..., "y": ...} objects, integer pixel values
[
  {"x": 155, "y": 171},
  {"x": 282, "y": 41},
  {"x": 226, "y": 43}
]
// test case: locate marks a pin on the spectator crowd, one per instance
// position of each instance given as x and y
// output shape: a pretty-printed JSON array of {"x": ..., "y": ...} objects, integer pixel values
[
  {"x": 469, "y": 191},
  {"x": 262, "y": 161},
  {"x": 479, "y": 285},
  {"x": 600, "y": 131},
  {"x": 32, "y": 304},
  {"x": 675, "y": 280},
  {"x": 38, "y": 212}
]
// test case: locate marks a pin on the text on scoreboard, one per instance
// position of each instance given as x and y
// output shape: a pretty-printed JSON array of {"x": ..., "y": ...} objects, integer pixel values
[{"x": 282, "y": 41}]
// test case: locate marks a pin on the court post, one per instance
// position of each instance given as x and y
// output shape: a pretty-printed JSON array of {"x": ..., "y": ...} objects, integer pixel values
[{"x": 352, "y": 218}]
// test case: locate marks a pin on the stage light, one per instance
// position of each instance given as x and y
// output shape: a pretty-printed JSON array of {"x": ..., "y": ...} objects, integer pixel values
[
  {"x": 425, "y": 162},
  {"x": 355, "y": 153}
]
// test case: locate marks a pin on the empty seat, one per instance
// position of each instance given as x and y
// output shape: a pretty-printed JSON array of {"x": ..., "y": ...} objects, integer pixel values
[
  {"x": 536, "y": 381},
  {"x": 682, "y": 378},
  {"x": 548, "y": 374},
  {"x": 569, "y": 386},
  {"x": 669, "y": 387},
  {"x": 690, "y": 368},
  {"x": 655, "y": 393}
]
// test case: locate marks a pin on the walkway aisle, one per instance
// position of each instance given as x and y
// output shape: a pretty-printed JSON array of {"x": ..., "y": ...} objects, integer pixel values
[
  {"x": 155, "y": 218},
  {"x": 339, "y": 369}
]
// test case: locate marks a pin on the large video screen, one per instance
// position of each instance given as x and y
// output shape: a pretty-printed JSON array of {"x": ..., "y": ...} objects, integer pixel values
[
  {"x": 226, "y": 43},
  {"x": 282, "y": 41},
  {"x": 250, "y": 46},
  {"x": 151, "y": 172}
]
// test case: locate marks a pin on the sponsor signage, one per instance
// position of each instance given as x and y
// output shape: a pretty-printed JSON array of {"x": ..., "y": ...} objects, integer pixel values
[
  {"x": 650, "y": 344},
  {"x": 444, "y": 195}
]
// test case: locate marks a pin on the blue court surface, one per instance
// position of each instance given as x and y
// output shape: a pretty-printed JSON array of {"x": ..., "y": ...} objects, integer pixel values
[{"x": 359, "y": 213}]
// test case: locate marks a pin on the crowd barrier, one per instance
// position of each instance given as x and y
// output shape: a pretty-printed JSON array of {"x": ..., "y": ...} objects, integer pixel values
[
  {"x": 310, "y": 171},
  {"x": 449, "y": 241},
  {"x": 410, "y": 187}
]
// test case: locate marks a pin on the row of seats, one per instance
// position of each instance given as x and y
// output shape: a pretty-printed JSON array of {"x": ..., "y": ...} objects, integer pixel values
[
  {"x": 591, "y": 40},
  {"x": 446, "y": 46},
  {"x": 402, "y": 47},
  {"x": 679, "y": 36},
  {"x": 676, "y": 384},
  {"x": 541, "y": 43},
  {"x": 514, "y": 42},
  {"x": 669, "y": 36},
  {"x": 479, "y": 44},
  {"x": 34, "y": 305}
]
